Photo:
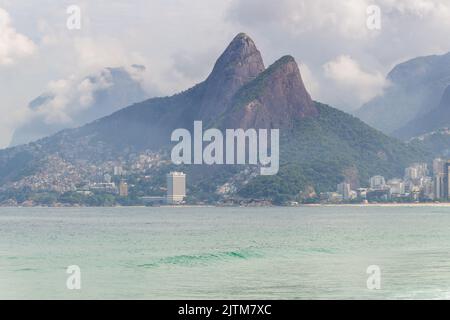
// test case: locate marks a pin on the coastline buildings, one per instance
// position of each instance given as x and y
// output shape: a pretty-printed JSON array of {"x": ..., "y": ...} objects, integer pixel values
[
  {"x": 102, "y": 187},
  {"x": 416, "y": 185},
  {"x": 176, "y": 187},
  {"x": 438, "y": 179},
  {"x": 377, "y": 183},
  {"x": 441, "y": 180},
  {"x": 416, "y": 171},
  {"x": 107, "y": 178},
  {"x": 438, "y": 186},
  {"x": 446, "y": 180},
  {"x": 421, "y": 182},
  {"x": 123, "y": 189},
  {"x": 345, "y": 190},
  {"x": 417, "y": 180},
  {"x": 396, "y": 187},
  {"x": 118, "y": 170},
  {"x": 176, "y": 191},
  {"x": 427, "y": 187},
  {"x": 361, "y": 193},
  {"x": 331, "y": 197}
]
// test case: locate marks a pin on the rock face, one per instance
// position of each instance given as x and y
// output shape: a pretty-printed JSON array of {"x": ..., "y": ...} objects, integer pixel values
[
  {"x": 416, "y": 87},
  {"x": 434, "y": 120},
  {"x": 275, "y": 99},
  {"x": 239, "y": 64}
]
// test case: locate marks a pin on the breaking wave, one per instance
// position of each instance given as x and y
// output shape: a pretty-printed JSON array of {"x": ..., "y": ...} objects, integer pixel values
[{"x": 207, "y": 258}]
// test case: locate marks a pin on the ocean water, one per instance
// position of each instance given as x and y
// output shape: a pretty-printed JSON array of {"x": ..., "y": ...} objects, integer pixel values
[{"x": 225, "y": 253}]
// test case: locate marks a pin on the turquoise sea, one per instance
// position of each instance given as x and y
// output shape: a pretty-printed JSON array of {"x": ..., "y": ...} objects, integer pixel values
[{"x": 225, "y": 253}]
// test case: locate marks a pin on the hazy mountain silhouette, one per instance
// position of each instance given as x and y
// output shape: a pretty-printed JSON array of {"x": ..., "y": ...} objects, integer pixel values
[
  {"x": 109, "y": 91},
  {"x": 416, "y": 87},
  {"x": 437, "y": 118}
]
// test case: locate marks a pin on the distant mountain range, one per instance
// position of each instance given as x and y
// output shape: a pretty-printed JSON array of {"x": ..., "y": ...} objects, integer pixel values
[
  {"x": 320, "y": 146},
  {"x": 435, "y": 119},
  {"x": 93, "y": 97},
  {"x": 407, "y": 107},
  {"x": 435, "y": 142}
]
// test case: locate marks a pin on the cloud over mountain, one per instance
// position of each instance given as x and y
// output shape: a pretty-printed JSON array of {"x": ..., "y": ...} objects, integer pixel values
[
  {"x": 77, "y": 100},
  {"x": 348, "y": 75},
  {"x": 13, "y": 45}
]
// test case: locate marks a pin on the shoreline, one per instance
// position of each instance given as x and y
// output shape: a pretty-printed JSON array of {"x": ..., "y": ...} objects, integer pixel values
[
  {"x": 357, "y": 205},
  {"x": 440, "y": 204}
]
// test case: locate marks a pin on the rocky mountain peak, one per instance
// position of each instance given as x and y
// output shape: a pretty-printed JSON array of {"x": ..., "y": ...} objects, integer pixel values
[
  {"x": 241, "y": 58},
  {"x": 275, "y": 99},
  {"x": 240, "y": 63}
]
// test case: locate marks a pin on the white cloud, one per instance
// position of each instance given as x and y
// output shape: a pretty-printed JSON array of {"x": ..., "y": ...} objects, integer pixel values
[
  {"x": 345, "y": 18},
  {"x": 350, "y": 78},
  {"x": 68, "y": 97},
  {"x": 318, "y": 31},
  {"x": 13, "y": 45},
  {"x": 419, "y": 8},
  {"x": 311, "y": 83},
  {"x": 296, "y": 17}
]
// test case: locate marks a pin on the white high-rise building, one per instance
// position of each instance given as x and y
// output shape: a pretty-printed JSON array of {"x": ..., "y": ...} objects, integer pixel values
[
  {"x": 438, "y": 166},
  {"x": 377, "y": 183},
  {"x": 416, "y": 171},
  {"x": 411, "y": 173},
  {"x": 345, "y": 190},
  {"x": 438, "y": 179},
  {"x": 438, "y": 187},
  {"x": 396, "y": 186},
  {"x": 118, "y": 171},
  {"x": 176, "y": 187},
  {"x": 123, "y": 188},
  {"x": 107, "y": 178},
  {"x": 428, "y": 190}
]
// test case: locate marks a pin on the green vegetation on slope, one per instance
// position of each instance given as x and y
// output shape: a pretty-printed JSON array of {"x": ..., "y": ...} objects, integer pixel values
[{"x": 321, "y": 151}]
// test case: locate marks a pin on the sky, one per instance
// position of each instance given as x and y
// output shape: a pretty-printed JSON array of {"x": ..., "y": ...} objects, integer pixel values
[{"x": 344, "y": 48}]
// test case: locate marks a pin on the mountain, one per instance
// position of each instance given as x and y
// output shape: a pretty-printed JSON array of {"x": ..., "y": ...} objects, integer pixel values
[
  {"x": 88, "y": 99},
  {"x": 416, "y": 87},
  {"x": 275, "y": 99},
  {"x": 435, "y": 119},
  {"x": 239, "y": 64},
  {"x": 149, "y": 124},
  {"x": 319, "y": 145},
  {"x": 330, "y": 148},
  {"x": 435, "y": 142}
]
